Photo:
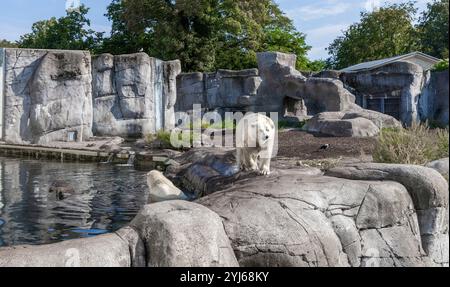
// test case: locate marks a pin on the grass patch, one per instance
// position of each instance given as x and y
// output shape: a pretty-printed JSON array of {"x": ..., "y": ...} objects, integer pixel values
[
  {"x": 416, "y": 145},
  {"x": 228, "y": 124},
  {"x": 284, "y": 125},
  {"x": 162, "y": 139}
]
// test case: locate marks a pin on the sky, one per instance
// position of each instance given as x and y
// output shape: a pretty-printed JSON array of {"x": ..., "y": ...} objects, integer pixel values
[{"x": 321, "y": 20}]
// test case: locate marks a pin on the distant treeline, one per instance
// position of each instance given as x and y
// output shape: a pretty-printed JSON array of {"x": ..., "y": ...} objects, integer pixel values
[{"x": 226, "y": 34}]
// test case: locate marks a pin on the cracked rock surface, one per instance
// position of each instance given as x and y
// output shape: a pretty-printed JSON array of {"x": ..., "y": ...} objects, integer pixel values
[
  {"x": 371, "y": 215},
  {"x": 183, "y": 234},
  {"x": 358, "y": 215},
  {"x": 429, "y": 193},
  {"x": 47, "y": 95}
]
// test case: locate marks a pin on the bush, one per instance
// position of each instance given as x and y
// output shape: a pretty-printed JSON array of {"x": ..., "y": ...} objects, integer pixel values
[
  {"x": 441, "y": 66},
  {"x": 162, "y": 137},
  {"x": 417, "y": 145}
]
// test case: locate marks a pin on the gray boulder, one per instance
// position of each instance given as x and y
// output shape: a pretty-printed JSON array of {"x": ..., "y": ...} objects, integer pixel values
[
  {"x": 102, "y": 251},
  {"x": 355, "y": 122},
  {"x": 297, "y": 217},
  {"x": 441, "y": 166},
  {"x": 429, "y": 192},
  {"x": 379, "y": 119},
  {"x": 334, "y": 124},
  {"x": 296, "y": 220},
  {"x": 183, "y": 234}
]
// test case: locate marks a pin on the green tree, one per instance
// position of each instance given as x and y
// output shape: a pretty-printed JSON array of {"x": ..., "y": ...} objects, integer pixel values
[
  {"x": 433, "y": 29},
  {"x": 384, "y": 33},
  {"x": 7, "y": 44},
  {"x": 122, "y": 39},
  {"x": 70, "y": 32},
  {"x": 204, "y": 34}
]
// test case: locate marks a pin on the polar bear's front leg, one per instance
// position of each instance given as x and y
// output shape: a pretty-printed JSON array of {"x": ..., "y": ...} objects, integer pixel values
[
  {"x": 264, "y": 166},
  {"x": 252, "y": 161},
  {"x": 265, "y": 159}
]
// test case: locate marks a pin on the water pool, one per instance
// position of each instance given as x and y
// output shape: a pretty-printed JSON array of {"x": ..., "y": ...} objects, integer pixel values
[{"x": 106, "y": 198}]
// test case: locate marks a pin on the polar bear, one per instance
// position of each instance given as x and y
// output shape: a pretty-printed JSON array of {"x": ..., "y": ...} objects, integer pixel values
[
  {"x": 255, "y": 137},
  {"x": 162, "y": 189}
]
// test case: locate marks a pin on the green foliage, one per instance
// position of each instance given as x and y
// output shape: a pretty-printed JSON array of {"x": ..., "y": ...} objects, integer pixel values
[
  {"x": 441, "y": 66},
  {"x": 204, "y": 34},
  {"x": 161, "y": 137},
  {"x": 283, "y": 125},
  {"x": 416, "y": 145},
  {"x": 68, "y": 32},
  {"x": 7, "y": 44},
  {"x": 381, "y": 34},
  {"x": 227, "y": 124},
  {"x": 433, "y": 29},
  {"x": 315, "y": 66},
  {"x": 390, "y": 32}
]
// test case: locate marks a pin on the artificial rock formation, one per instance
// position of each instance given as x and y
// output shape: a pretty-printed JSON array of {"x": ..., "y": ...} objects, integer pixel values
[
  {"x": 433, "y": 103},
  {"x": 133, "y": 94},
  {"x": 441, "y": 166},
  {"x": 223, "y": 90},
  {"x": 183, "y": 234},
  {"x": 374, "y": 215},
  {"x": 101, "y": 251},
  {"x": 429, "y": 194},
  {"x": 327, "y": 100},
  {"x": 168, "y": 234},
  {"x": 282, "y": 82},
  {"x": 359, "y": 215},
  {"x": 400, "y": 80},
  {"x": 52, "y": 95},
  {"x": 354, "y": 123},
  {"x": 47, "y": 95}
]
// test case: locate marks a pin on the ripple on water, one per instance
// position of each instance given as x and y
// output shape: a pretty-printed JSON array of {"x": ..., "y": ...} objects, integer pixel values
[{"x": 107, "y": 198}]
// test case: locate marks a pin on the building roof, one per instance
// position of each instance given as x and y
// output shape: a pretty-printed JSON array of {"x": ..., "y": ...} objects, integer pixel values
[{"x": 424, "y": 60}]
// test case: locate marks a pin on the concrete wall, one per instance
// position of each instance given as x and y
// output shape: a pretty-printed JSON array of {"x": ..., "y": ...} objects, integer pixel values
[
  {"x": 47, "y": 95},
  {"x": 2, "y": 68},
  {"x": 51, "y": 95},
  {"x": 401, "y": 80},
  {"x": 133, "y": 94},
  {"x": 434, "y": 102},
  {"x": 222, "y": 90}
]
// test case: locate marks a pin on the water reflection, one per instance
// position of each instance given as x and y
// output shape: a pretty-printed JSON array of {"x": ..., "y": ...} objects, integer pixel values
[{"x": 107, "y": 197}]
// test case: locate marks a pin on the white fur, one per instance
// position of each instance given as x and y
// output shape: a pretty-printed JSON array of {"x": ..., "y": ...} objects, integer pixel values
[
  {"x": 255, "y": 136},
  {"x": 162, "y": 189}
]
